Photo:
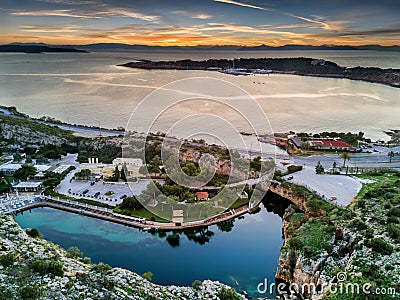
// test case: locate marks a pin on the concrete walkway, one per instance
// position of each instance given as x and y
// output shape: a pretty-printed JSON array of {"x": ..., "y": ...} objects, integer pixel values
[{"x": 345, "y": 188}]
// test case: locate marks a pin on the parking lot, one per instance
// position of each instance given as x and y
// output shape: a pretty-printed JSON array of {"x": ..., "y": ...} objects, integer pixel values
[{"x": 109, "y": 193}]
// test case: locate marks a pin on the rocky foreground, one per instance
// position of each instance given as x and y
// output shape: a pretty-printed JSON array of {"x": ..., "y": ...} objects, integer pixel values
[{"x": 33, "y": 268}]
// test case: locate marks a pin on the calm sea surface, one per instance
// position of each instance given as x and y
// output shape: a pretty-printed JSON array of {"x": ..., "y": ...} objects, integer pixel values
[
  {"x": 90, "y": 89},
  {"x": 246, "y": 255}
]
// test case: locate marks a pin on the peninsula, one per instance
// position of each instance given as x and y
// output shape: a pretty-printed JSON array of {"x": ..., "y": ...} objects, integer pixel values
[{"x": 296, "y": 66}]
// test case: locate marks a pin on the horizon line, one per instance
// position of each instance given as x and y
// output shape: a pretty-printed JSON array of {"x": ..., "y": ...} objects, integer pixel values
[{"x": 200, "y": 45}]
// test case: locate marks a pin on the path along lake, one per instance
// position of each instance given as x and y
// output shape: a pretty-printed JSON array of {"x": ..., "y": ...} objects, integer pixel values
[{"x": 247, "y": 254}]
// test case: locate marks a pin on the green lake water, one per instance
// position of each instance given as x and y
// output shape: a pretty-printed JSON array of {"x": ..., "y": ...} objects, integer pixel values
[{"x": 245, "y": 255}]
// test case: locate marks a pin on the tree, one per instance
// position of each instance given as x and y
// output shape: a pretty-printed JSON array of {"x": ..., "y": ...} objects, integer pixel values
[
  {"x": 130, "y": 203},
  {"x": 190, "y": 169},
  {"x": 391, "y": 155},
  {"x": 123, "y": 175},
  {"x": 84, "y": 174},
  {"x": 255, "y": 164},
  {"x": 51, "y": 182},
  {"x": 28, "y": 160},
  {"x": 346, "y": 157},
  {"x": 25, "y": 171},
  {"x": 143, "y": 170},
  {"x": 116, "y": 173},
  {"x": 334, "y": 166},
  {"x": 17, "y": 157},
  {"x": 154, "y": 165},
  {"x": 319, "y": 169},
  {"x": 40, "y": 159},
  {"x": 74, "y": 252}
]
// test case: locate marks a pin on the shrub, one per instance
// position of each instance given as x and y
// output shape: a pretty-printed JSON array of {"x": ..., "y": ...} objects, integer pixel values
[
  {"x": 380, "y": 246},
  {"x": 44, "y": 267},
  {"x": 87, "y": 260},
  {"x": 101, "y": 267},
  {"x": 314, "y": 205},
  {"x": 32, "y": 232},
  {"x": 196, "y": 284},
  {"x": 148, "y": 276},
  {"x": 394, "y": 232},
  {"x": 74, "y": 252},
  {"x": 7, "y": 260},
  {"x": 361, "y": 203},
  {"x": 293, "y": 168},
  {"x": 228, "y": 294},
  {"x": 358, "y": 224},
  {"x": 29, "y": 292},
  {"x": 394, "y": 212},
  {"x": 295, "y": 243},
  {"x": 393, "y": 220}
]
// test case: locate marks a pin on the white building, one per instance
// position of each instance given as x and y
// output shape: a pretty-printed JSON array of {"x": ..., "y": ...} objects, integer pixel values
[
  {"x": 28, "y": 186},
  {"x": 132, "y": 162},
  {"x": 9, "y": 168}
]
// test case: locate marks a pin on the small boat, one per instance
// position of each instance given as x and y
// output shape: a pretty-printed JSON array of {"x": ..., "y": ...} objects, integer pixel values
[{"x": 245, "y": 133}]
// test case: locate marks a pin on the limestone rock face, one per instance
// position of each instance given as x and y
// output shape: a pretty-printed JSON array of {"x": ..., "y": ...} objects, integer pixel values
[{"x": 80, "y": 280}]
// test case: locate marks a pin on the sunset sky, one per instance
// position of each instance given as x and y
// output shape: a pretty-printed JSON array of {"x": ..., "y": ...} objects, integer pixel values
[{"x": 201, "y": 22}]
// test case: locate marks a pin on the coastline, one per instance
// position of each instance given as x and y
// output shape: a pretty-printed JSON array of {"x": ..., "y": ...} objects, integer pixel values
[{"x": 288, "y": 66}]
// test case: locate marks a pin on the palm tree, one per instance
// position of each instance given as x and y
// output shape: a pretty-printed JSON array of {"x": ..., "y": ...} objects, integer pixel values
[
  {"x": 345, "y": 157},
  {"x": 391, "y": 155}
]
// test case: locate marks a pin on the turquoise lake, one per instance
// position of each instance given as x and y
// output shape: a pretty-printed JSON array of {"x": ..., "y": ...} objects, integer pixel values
[{"x": 246, "y": 255}]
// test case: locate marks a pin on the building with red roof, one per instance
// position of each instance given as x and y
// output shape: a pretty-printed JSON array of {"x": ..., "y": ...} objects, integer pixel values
[
  {"x": 331, "y": 145},
  {"x": 202, "y": 196}
]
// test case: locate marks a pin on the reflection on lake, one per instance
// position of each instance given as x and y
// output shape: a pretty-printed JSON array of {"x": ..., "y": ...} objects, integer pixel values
[{"x": 245, "y": 250}]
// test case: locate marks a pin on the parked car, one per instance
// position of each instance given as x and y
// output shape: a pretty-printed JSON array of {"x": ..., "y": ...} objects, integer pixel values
[
  {"x": 85, "y": 191},
  {"x": 290, "y": 177},
  {"x": 123, "y": 196},
  {"x": 97, "y": 194}
]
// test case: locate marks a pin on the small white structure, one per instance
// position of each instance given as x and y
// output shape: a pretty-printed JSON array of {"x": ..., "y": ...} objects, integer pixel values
[
  {"x": 28, "y": 186},
  {"x": 132, "y": 162},
  {"x": 42, "y": 168},
  {"x": 130, "y": 165},
  {"x": 9, "y": 168},
  {"x": 60, "y": 169}
]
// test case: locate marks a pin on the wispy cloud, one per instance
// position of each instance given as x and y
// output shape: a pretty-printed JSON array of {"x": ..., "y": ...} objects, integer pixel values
[
  {"x": 72, "y": 2},
  {"x": 93, "y": 14},
  {"x": 193, "y": 15},
  {"x": 133, "y": 14},
  {"x": 60, "y": 13},
  {"x": 50, "y": 29},
  {"x": 324, "y": 24}
]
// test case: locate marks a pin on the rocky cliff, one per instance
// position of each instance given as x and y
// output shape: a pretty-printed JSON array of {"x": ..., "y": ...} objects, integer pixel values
[{"x": 32, "y": 268}]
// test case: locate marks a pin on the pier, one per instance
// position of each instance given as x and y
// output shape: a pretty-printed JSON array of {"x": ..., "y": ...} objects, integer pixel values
[{"x": 109, "y": 215}]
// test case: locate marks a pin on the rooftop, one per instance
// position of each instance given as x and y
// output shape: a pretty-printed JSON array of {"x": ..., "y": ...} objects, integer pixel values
[{"x": 28, "y": 184}]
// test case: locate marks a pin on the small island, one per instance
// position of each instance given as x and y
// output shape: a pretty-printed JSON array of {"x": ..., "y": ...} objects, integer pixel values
[{"x": 296, "y": 66}]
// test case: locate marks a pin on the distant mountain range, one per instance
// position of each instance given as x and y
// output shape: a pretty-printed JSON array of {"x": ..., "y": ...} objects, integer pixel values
[
  {"x": 37, "y": 48},
  {"x": 40, "y": 47}
]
